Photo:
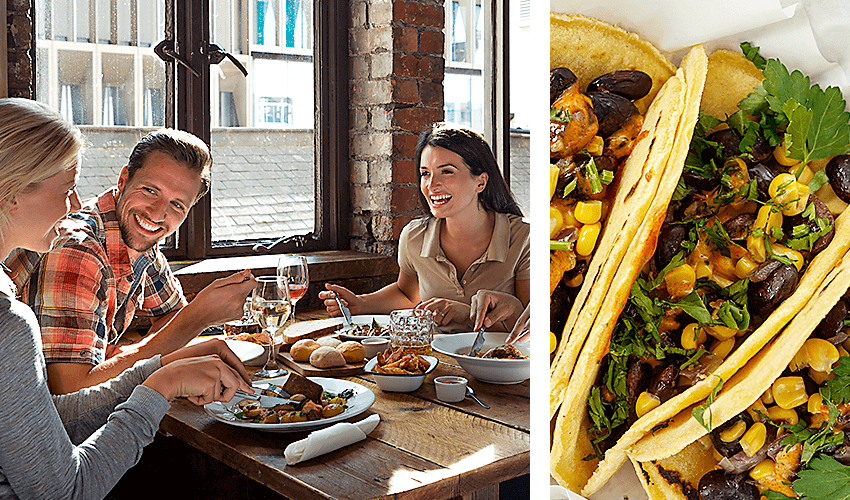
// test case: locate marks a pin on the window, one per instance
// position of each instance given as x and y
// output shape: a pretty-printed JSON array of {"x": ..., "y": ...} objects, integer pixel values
[
  {"x": 464, "y": 82},
  {"x": 96, "y": 64}
]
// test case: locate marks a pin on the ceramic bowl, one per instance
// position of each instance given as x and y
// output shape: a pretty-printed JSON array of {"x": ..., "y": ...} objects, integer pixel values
[
  {"x": 374, "y": 345},
  {"x": 493, "y": 371},
  {"x": 392, "y": 382}
]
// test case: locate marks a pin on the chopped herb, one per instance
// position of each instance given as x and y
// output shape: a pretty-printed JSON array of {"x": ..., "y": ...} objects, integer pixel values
[
  {"x": 752, "y": 53},
  {"x": 593, "y": 176},
  {"x": 699, "y": 411},
  {"x": 606, "y": 176},
  {"x": 569, "y": 188},
  {"x": 561, "y": 245},
  {"x": 559, "y": 115},
  {"x": 696, "y": 356}
]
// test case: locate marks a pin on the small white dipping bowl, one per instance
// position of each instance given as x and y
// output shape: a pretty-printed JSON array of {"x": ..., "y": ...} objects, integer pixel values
[
  {"x": 396, "y": 382},
  {"x": 374, "y": 345},
  {"x": 493, "y": 371},
  {"x": 450, "y": 389}
]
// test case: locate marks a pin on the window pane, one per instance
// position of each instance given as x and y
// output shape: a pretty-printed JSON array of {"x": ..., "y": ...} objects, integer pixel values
[
  {"x": 464, "y": 95},
  {"x": 458, "y": 26},
  {"x": 82, "y": 21},
  {"x": 262, "y": 137}
]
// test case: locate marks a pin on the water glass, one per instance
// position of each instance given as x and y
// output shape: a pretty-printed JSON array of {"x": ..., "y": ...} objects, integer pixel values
[{"x": 412, "y": 330}]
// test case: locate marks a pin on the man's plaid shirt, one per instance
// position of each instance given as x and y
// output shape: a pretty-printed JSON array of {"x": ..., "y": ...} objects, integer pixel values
[{"x": 85, "y": 292}]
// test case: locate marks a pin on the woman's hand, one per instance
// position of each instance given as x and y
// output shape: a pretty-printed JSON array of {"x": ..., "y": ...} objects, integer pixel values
[
  {"x": 445, "y": 310},
  {"x": 201, "y": 380},
  {"x": 522, "y": 328},
  {"x": 352, "y": 301},
  {"x": 489, "y": 307},
  {"x": 217, "y": 347}
]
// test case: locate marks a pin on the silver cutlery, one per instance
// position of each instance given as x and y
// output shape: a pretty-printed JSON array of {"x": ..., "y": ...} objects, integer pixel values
[{"x": 473, "y": 396}]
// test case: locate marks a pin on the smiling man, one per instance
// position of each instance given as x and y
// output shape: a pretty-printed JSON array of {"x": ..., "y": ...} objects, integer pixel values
[{"x": 106, "y": 268}]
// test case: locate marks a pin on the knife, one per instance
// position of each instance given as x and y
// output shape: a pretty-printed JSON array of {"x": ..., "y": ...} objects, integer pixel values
[
  {"x": 269, "y": 401},
  {"x": 346, "y": 314},
  {"x": 479, "y": 341}
]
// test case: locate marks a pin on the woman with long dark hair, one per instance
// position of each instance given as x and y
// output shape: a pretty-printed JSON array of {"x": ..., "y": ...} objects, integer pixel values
[{"x": 474, "y": 237}]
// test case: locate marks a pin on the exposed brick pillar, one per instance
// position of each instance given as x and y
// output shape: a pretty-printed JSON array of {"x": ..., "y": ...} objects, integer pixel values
[
  {"x": 397, "y": 68},
  {"x": 19, "y": 36}
]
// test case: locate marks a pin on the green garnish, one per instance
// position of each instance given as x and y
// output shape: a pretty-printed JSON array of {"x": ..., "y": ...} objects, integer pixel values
[
  {"x": 593, "y": 176},
  {"x": 561, "y": 245},
  {"x": 606, "y": 176},
  {"x": 569, "y": 188},
  {"x": 818, "y": 181},
  {"x": 825, "y": 478},
  {"x": 699, "y": 411},
  {"x": 559, "y": 115}
]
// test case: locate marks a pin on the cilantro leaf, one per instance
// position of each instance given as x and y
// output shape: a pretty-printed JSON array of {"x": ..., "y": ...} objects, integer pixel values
[
  {"x": 699, "y": 411},
  {"x": 837, "y": 389},
  {"x": 751, "y": 52},
  {"x": 825, "y": 478},
  {"x": 692, "y": 304},
  {"x": 818, "y": 181}
]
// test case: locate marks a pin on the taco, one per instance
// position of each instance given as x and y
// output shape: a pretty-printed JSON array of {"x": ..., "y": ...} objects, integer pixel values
[
  {"x": 636, "y": 208},
  {"x": 745, "y": 245}
]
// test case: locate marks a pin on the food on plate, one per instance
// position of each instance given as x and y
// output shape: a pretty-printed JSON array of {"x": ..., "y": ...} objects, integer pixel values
[
  {"x": 312, "y": 329},
  {"x": 241, "y": 326},
  {"x": 588, "y": 289},
  {"x": 327, "y": 357},
  {"x": 326, "y": 406},
  {"x": 506, "y": 351},
  {"x": 329, "y": 341},
  {"x": 397, "y": 362},
  {"x": 736, "y": 277},
  {"x": 352, "y": 351},
  {"x": 373, "y": 329},
  {"x": 298, "y": 384},
  {"x": 301, "y": 350}
]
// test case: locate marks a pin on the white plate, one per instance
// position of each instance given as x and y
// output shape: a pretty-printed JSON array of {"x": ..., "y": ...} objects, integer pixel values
[
  {"x": 361, "y": 401},
  {"x": 365, "y": 319},
  {"x": 246, "y": 351}
]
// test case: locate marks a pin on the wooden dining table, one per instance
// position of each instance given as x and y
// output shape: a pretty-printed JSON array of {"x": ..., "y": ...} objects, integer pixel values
[{"x": 422, "y": 447}]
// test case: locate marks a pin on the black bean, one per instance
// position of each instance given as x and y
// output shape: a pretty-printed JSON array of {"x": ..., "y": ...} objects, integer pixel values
[
  {"x": 821, "y": 211},
  {"x": 670, "y": 240},
  {"x": 630, "y": 84},
  {"x": 738, "y": 227},
  {"x": 764, "y": 173},
  {"x": 560, "y": 79},
  {"x": 611, "y": 111},
  {"x": 764, "y": 296},
  {"x": 730, "y": 448},
  {"x": 838, "y": 172},
  {"x": 718, "y": 485},
  {"x": 833, "y": 323}
]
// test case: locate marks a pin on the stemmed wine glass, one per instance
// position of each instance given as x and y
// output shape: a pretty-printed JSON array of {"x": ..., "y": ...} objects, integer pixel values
[
  {"x": 270, "y": 306},
  {"x": 292, "y": 269}
]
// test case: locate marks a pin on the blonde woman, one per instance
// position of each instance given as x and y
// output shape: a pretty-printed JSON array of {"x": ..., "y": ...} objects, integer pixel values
[{"x": 63, "y": 446}]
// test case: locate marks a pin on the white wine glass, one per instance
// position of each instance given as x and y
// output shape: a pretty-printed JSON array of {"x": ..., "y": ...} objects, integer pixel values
[
  {"x": 292, "y": 269},
  {"x": 270, "y": 306}
]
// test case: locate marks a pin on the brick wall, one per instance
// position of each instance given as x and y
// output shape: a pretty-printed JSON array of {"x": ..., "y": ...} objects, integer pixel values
[
  {"x": 396, "y": 57},
  {"x": 19, "y": 37}
]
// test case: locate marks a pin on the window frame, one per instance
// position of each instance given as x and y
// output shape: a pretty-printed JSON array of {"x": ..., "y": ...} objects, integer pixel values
[{"x": 330, "y": 136}]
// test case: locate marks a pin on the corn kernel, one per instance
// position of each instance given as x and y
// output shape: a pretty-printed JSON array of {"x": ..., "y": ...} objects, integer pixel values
[
  {"x": 767, "y": 218},
  {"x": 680, "y": 281},
  {"x": 799, "y": 204},
  {"x": 794, "y": 256},
  {"x": 755, "y": 245},
  {"x": 737, "y": 251},
  {"x": 789, "y": 392},
  {"x": 721, "y": 332},
  {"x": 702, "y": 270},
  {"x": 691, "y": 339},
  {"x": 595, "y": 146},
  {"x": 753, "y": 439},
  {"x": 820, "y": 377},
  {"x": 756, "y": 410},
  {"x": 646, "y": 401},
  {"x": 553, "y": 342},
  {"x": 587, "y": 236},
  {"x": 781, "y": 158},
  {"x": 554, "y": 172},
  {"x": 556, "y": 222},
  {"x": 806, "y": 175},
  {"x": 816, "y": 420},
  {"x": 733, "y": 432},
  {"x": 767, "y": 397},
  {"x": 781, "y": 415},
  {"x": 721, "y": 280},
  {"x": 815, "y": 404},
  {"x": 783, "y": 188},
  {"x": 588, "y": 212},
  {"x": 723, "y": 265},
  {"x": 820, "y": 354},
  {"x": 762, "y": 469},
  {"x": 744, "y": 267},
  {"x": 722, "y": 348}
]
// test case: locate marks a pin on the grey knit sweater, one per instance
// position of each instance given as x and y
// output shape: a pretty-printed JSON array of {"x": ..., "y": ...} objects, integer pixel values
[{"x": 76, "y": 445}]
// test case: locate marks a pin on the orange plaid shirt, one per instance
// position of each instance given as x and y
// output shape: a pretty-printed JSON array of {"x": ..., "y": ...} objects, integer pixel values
[{"x": 85, "y": 291}]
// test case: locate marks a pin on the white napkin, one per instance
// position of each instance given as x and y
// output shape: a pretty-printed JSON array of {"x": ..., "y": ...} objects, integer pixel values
[{"x": 329, "y": 439}]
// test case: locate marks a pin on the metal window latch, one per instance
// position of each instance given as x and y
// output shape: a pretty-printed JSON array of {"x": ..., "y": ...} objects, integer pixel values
[
  {"x": 165, "y": 51},
  {"x": 216, "y": 54},
  {"x": 298, "y": 239}
]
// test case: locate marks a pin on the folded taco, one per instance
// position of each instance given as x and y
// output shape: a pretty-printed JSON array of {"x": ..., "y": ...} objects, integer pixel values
[
  {"x": 744, "y": 245},
  {"x": 636, "y": 199}
]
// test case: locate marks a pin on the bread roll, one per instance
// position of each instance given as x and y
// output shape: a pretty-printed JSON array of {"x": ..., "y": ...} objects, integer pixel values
[
  {"x": 329, "y": 341},
  {"x": 352, "y": 351},
  {"x": 301, "y": 350},
  {"x": 326, "y": 357}
]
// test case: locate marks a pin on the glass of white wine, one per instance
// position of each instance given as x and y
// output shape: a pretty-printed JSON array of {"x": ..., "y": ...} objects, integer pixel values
[{"x": 270, "y": 306}]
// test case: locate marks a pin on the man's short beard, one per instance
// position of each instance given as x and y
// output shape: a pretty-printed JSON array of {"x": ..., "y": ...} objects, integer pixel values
[{"x": 134, "y": 245}]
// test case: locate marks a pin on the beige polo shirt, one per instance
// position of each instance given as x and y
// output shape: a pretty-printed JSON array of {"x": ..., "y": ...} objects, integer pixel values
[{"x": 507, "y": 259}]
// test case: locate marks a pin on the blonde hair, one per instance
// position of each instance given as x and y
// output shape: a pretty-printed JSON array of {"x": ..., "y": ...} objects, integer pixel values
[{"x": 35, "y": 143}]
